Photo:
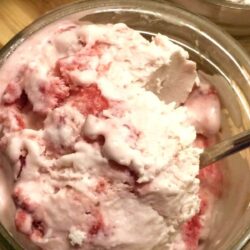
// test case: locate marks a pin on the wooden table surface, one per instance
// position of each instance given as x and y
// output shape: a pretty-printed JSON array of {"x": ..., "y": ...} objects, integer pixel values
[{"x": 16, "y": 14}]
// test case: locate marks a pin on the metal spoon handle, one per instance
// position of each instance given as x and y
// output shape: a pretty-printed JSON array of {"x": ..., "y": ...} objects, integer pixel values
[{"x": 225, "y": 148}]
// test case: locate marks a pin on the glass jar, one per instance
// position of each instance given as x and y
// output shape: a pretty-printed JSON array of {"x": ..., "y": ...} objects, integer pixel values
[
  {"x": 233, "y": 17},
  {"x": 216, "y": 53}
]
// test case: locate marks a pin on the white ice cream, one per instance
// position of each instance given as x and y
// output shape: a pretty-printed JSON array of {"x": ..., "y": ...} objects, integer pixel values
[{"x": 98, "y": 160}]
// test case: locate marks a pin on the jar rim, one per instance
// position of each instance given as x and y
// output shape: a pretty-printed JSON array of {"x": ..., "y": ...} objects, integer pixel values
[{"x": 228, "y": 4}]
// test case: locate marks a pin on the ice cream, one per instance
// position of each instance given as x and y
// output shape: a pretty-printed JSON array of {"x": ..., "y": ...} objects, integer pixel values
[{"x": 99, "y": 160}]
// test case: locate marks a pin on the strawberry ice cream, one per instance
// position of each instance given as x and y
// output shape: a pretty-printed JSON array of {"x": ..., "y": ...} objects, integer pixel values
[{"x": 95, "y": 157}]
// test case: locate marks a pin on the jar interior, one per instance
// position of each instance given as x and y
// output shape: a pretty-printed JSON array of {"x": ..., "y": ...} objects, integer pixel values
[{"x": 231, "y": 218}]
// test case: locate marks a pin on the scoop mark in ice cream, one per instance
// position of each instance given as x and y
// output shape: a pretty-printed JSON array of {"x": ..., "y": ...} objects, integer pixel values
[
  {"x": 22, "y": 162},
  {"x": 102, "y": 162}
]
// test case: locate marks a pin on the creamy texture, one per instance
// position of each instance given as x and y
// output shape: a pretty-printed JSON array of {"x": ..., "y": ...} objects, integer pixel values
[{"x": 98, "y": 160}]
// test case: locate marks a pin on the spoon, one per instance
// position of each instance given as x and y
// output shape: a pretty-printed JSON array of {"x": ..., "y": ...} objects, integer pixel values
[
  {"x": 211, "y": 154},
  {"x": 225, "y": 148}
]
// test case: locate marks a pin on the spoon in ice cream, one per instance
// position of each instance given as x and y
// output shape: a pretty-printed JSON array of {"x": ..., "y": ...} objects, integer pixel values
[
  {"x": 225, "y": 148},
  {"x": 167, "y": 83},
  {"x": 220, "y": 150}
]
